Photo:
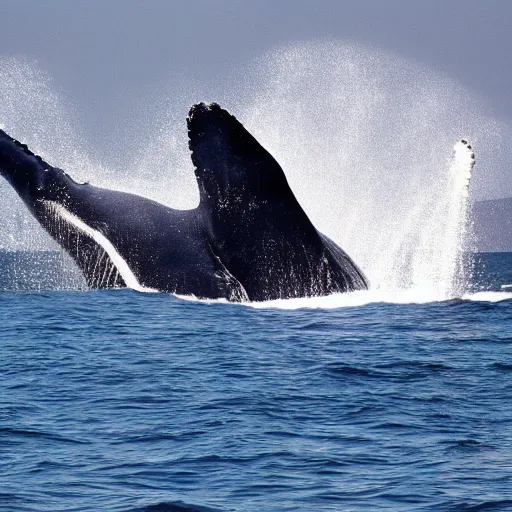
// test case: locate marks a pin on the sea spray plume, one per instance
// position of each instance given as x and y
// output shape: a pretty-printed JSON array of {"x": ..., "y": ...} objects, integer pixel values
[
  {"x": 34, "y": 110},
  {"x": 365, "y": 139},
  {"x": 363, "y": 135},
  {"x": 464, "y": 160},
  {"x": 249, "y": 239},
  {"x": 437, "y": 265}
]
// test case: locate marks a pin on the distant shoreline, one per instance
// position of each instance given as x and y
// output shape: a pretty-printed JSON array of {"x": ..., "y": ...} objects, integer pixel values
[{"x": 492, "y": 225}]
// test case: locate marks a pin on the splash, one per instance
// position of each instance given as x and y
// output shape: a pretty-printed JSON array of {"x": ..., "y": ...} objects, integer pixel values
[
  {"x": 364, "y": 138},
  {"x": 437, "y": 265},
  {"x": 33, "y": 111}
]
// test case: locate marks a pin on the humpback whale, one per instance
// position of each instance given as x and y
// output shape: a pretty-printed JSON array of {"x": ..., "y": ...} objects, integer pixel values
[{"x": 248, "y": 240}]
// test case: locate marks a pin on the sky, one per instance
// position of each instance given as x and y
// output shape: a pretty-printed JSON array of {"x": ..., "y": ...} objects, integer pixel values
[{"x": 107, "y": 56}]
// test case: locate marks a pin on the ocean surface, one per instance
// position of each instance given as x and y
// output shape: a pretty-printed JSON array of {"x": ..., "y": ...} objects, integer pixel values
[{"x": 124, "y": 401}]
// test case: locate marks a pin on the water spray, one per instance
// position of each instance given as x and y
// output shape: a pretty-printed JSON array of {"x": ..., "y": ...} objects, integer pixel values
[{"x": 363, "y": 137}]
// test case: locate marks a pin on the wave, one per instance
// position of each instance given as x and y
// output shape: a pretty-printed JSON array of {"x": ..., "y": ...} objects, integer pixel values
[{"x": 174, "y": 506}]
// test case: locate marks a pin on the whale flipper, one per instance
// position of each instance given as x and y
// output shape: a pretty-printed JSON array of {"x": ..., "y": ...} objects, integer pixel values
[{"x": 261, "y": 232}]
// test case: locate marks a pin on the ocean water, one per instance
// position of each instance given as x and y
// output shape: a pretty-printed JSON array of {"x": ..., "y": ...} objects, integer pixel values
[
  {"x": 393, "y": 399},
  {"x": 127, "y": 401}
]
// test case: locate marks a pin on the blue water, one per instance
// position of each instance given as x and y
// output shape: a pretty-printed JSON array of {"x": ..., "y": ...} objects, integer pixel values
[{"x": 121, "y": 401}]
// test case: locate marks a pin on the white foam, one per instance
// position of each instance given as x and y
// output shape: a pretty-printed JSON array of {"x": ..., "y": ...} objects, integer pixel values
[
  {"x": 344, "y": 300},
  {"x": 356, "y": 299},
  {"x": 487, "y": 296},
  {"x": 372, "y": 296},
  {"x": 119, "y": 262}
]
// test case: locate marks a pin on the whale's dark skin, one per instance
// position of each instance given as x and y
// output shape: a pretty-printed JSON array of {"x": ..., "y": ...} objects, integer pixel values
[{"x": 248, "y": 239}]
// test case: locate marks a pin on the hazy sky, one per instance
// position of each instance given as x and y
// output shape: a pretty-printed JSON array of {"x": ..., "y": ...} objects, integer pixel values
[
  {"x": 96, "y": 50},
  {"x": 107, "y": 55}
]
